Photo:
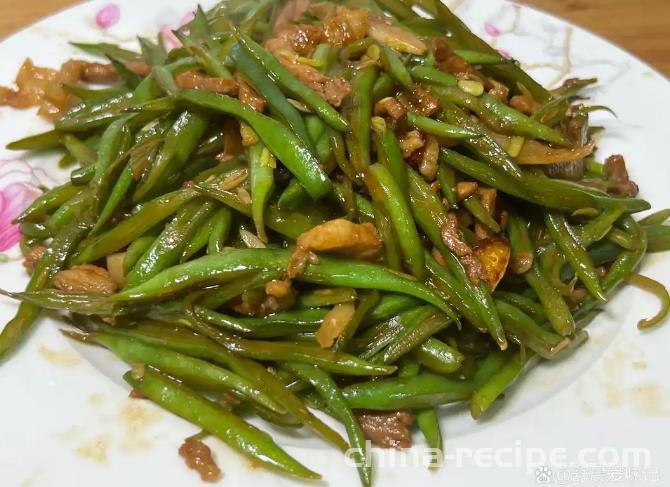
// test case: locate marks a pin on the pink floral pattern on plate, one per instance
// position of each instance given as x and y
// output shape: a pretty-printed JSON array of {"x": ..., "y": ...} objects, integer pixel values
[
  {"x": 19, "y": 186},
  {"x": 108, "y": 16}
]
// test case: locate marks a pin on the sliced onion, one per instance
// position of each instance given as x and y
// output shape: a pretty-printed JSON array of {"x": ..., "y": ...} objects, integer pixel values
[
  {"x": 395, "y": 37},
  {"x": 660, "y": 291},
  {"x": 115, "y": 268},
  {"x": 334, "y": 324},
  {"x": 536, "y": 153}
]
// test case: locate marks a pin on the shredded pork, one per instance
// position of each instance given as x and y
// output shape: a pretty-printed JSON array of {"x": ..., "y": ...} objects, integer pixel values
[
  {"x": 198, "y": 457},
  {"x": 45, "y": 87},
  {"x": 32, "y": 256},
  {"x": 452, "y": 239},
  {"x": 248, "y": 95},
  {"x": 86, "y": 278},
  {"x": 389, "y": 106},
  {"x": 617, "y": 174},
  {"x": 195, "y": 80},
  {"x": 387, "y": 429}
]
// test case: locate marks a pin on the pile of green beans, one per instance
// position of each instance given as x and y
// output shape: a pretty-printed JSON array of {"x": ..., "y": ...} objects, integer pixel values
[{"x": 197, "y": 203}]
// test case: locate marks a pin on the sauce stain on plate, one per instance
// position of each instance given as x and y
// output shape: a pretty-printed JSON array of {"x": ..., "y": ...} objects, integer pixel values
[
  {"x": 63, "y": 358},
  {"x": 96, "y": 449},
  {"x": 648, "y": 400},
  {"x": 96, "y": 399},
  {"x": 136, "y": 419}
]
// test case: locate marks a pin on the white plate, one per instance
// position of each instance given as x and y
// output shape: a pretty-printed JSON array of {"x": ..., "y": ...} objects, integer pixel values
[{"x": 599, "y": 418}]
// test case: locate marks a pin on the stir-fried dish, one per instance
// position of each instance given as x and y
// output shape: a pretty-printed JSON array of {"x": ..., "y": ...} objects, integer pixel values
[{"x": 346, "y": 207}]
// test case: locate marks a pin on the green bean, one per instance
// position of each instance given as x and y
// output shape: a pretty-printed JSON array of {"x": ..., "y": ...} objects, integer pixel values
[
  {"x": 291, "y": 84},
  {"x": 74, "y": 302},
  {"x": 82, "y": 176},
  {"x": 262, "y": 183},
  {"x": 298, "y": 317},
  {"x": 277, "y": 102},
  {"x": 447, "y": 178},
  {"x": 128, "y": 230},
  {"x": 365, "y": 305},
  {"x": 476, "y": 57},
  {"x": 223, "y": 267},
  {"x": 622, "y": 239},
  {"x": 433, "y": 76},
  {"x": 324, "y": 56},
  {"x": 529, "y": 306},
  {"x": 385, "y": 190},
  {"x": 252, "y": 327},
  {"x": 233, "y": 431},
  {"x": 597, "y": 228},
  {"x": 658, "y": 238},
  {"x": 293, "y": 197},
  {"x": 507, "y": 72},
  {"x": 484, "y": 145},
  {"x": 180, "y": 141},
  {"x": 556, "y": 309},
  {"x": 137, "y": 248},
  {"x": 660, "y": 291},
  {"x": 477, "y": 209},
  {"x": 153, "y": 53},
  {"x": 388, "y": 236},
  {"x": 195, "y": 372},
  {"x": 529, "y": 333},
  {"x": 391, "y": 305},
  {"x": 382, "y": 88},
  {"x": 417, "y": 337},
  {"x": 286, "y": 146},
  {"x": 53, "y": 139},
  {"x": 455, "y": 292},
  {"x": 553, "y": 111},
  {"x": 35, "y": 230},
  {"x": 429, "y": 423},
  {"x": 395, "y": 67},
  {"x": 326, "y": 297},
  {"x": 331, "y": 393},
  {"x": 338, "y": 149},
  {"x": 552, "y": 193},
  {"x": 501, "y": 117},
  {"x": 48, "y": 201},
  {"x": 429, "y": 213},
  {"x": 358, "y": 138},
  {"x": 104, "y": 49},
  {"x": 336, "y": 362},
  {"x": 389, "y": 152},
  {"x": 198, "y": 346},
  {"x": 424, "y": 390},
  {"x": 118, "y": 193},
  {"x": 440, "y": 129},
  {"x": 484, "y": 396},
  {"x": 81, "y": 153},
  {"x": 110, "y": 145},
  {"x": 656, "y": 218},
  {"x": 205, "y": 57},
  {"x": 438, "y": 357},
  {"x": 92, "y": 114},
  {"x": 168, "y": 246},
  {"x": 397, "y": 8},
  {"x": 220, "y": 233},
  {"x": 575, "y": 253},
  {"x": 53, "y": 260},
  {"x": 376, "y": 338},
  {"x": 201, "y": 236},
  {"x": 289, "y": 224}
]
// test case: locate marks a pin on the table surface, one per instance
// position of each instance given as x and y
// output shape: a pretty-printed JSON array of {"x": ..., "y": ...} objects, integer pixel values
[{"x": 640, "y": 26}]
